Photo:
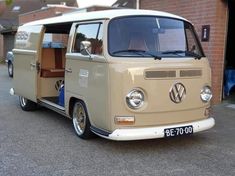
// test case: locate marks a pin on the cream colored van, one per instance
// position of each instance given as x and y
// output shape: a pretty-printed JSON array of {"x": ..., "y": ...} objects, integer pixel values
[{"x": 121, "y": 74}]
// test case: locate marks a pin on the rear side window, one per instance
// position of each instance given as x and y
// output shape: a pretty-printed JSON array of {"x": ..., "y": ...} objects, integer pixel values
[{"x": 89, "y": 32}]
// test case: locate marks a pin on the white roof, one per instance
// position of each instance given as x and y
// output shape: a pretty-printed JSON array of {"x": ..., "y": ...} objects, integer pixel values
[{"x": 106, "y": 14}]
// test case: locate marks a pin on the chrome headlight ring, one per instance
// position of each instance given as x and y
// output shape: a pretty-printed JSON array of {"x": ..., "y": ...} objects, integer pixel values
[
  {"x": 206, "y": 94},
  {"x": 135, "y": 98}
]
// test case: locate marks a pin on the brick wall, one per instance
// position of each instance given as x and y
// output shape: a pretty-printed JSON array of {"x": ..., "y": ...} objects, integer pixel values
[
  {"x": 203, "y": 12},
  {"x": 43, "y": 13},
  {"x": 47, "y": 13}
]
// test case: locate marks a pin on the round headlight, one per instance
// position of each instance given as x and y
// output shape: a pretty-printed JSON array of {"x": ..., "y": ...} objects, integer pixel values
[
  {"x": 206, "y": 94},
  {"x": 135, "y": 99}
]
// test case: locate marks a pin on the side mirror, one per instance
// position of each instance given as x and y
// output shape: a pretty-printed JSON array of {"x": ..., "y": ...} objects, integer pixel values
[{"x": 85, "y": 48}]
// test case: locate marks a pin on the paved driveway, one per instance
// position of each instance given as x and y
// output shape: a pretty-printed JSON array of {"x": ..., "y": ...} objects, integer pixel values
[{"x": 44, "y": 143}]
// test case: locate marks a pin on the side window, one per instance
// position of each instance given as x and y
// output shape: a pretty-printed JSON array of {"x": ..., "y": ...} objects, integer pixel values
[{"x": 89, "y": 32}]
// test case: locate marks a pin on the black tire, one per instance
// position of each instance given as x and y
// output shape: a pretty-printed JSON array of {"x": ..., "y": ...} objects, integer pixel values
[
  {"x": 10, "y": 69},
  {"x": 27, "y": 105},
  {"x": 81, "y": 121}
]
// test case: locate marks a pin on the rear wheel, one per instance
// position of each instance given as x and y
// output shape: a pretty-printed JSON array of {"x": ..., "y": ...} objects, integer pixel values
[
  {"x": 10, "y": 69},
  {"x": 81, "y": 121},
  {"x": 27, "y": 105}
]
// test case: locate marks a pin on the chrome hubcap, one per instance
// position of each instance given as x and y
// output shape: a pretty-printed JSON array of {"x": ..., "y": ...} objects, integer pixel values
[
  {"x": 79, "y": 118},
  {"x": 10, "y": 69},
  {"x": 23, "y": 101}
]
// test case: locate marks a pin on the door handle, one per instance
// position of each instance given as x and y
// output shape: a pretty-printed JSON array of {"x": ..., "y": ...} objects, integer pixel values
[
  {"x": 69, "y": 70},
  {"x": 33, "y": 65}
]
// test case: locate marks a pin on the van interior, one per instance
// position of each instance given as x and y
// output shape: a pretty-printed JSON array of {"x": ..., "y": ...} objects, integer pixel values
[{"x": 52, "y": 64}]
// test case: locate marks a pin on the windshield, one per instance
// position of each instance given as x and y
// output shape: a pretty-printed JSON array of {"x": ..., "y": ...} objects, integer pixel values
[{"x": 149, "y": 36}]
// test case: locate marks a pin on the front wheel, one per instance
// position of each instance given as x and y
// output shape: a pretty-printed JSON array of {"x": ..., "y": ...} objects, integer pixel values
[
  {"x": 81, "y": 121},
  {"x": 27, "y": 105},
  {"x": 10, "y": 69}
]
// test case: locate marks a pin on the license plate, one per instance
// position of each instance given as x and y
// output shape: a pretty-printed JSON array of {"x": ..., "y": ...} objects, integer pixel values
[{"x": 178, "y": 131}]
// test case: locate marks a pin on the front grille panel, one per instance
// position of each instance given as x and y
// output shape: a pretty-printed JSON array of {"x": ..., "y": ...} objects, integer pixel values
[
  {"x": 160, "y": 74},
  {"x": 190, "y": 73},
  {"x": 157, "y": 74}
]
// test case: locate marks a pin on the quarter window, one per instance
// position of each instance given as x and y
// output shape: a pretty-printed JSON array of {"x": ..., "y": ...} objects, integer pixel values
[
  {"x": 92, "y": 33},
  {"x": 191, "y": 41}
]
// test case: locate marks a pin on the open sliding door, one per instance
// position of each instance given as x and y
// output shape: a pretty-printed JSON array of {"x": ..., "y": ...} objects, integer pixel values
[{"x": 27, "y": 52}]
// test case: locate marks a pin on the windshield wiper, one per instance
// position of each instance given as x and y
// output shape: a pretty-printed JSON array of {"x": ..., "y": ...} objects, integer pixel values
[
  {"x": 139, "y": 52},
  {"x": 187, "y": 53},
  {"x": 190, "y": 53},
  {"x": 156, "y": 57}
]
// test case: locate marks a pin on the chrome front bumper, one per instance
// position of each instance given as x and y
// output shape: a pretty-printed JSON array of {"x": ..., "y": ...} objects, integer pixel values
[{"x": 157, "y": 132}]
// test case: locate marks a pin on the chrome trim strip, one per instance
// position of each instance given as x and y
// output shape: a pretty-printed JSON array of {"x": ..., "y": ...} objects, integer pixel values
[{"x": 53, "y": 106}]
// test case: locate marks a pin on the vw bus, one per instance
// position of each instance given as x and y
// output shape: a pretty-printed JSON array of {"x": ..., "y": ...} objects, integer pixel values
[{"x": 119, "y": 74}]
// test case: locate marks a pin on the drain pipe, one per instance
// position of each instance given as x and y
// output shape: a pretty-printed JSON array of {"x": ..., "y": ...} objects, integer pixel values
[{"x": 137, "y": 4}]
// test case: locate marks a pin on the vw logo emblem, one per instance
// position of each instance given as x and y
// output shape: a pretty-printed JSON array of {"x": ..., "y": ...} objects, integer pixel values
[{"x": 177, "y": 92}]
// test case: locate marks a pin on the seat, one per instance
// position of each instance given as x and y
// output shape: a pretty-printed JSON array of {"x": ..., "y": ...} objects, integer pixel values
[{"x": 137, "y": 42}]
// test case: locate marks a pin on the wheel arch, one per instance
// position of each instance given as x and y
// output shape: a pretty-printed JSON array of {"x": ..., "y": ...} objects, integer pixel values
[
  {"x": 87, "y": 132},
  {"x": 72, "y": 101}
]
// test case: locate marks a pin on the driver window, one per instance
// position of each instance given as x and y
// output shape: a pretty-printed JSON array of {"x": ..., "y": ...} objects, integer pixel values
[{"x": 92, "y": 33}]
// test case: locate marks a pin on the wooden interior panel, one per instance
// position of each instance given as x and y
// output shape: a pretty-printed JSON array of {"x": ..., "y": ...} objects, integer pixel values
[
  {"x": 52, "y": 73},
  {"x": 64, "y": 50},
  {"x": 53, "y": 62},
  {"x": 47, "y": 87},
  {"x": 48, "y": 58}
]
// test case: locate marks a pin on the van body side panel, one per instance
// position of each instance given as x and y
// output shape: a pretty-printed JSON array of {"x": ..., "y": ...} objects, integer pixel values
[
  {"x": 158, "y": 108},
  {"x": 27, "y": 53},
  {"x": 88, "y": 81}
]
